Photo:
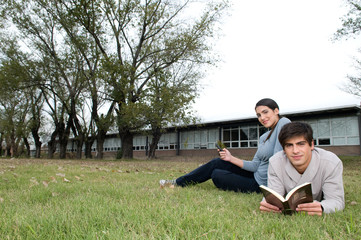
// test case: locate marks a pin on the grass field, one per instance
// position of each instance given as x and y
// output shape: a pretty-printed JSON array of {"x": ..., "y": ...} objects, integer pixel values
[{"x": 57, "y": 199}]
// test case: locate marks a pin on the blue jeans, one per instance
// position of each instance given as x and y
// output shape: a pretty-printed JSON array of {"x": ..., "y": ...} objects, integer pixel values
[{"x": 224, "y": 175}]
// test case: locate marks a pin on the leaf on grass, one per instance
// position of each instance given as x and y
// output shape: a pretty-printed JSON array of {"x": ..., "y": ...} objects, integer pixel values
[
  {"x": 1, "y": 200},
  {"x": 60, "y": 174},
  {"x": 353, "y": 203},
  {"x": 104, "y": 169},
  {"x": 53, "y": 179},
  {"x": 66, "y": 180},
  {"x": 33, "y": 182},
  {"x": 54, "y": 194},
  {"x": 78, "y": 178},
  {"x": 45, "y": 183}
]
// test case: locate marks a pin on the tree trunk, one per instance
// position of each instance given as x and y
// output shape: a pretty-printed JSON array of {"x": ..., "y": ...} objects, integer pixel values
[
  {"x": 79, "y": 149},
  {"x": 153, "y": 145},
  {"x": 36, "y": 137},
  {"x": 62, "y": 151},
  {"x": 127, "y": 144},
  {"x": 52, "y": 143},
  {"x": 63, "y": 138},
  {"x": 63, "y": 142},
  {"x": 14, "y": 147},
  {"x": 8, "y": 151},
  {"x": 100, "y": 144},
  {"x": 79, "y": 146},
  {"x": 27, "y": 146},
  {"x": 88, "y": 146},
  {"x": 51, "y": 148},
  {"x": 1, "y": 144}
]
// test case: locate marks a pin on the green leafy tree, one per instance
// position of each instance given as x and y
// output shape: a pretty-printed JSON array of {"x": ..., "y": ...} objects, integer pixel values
[
  {"x": 60, "y": 78},
  {"x": 138, "y": 39},
  {"x": 108, "y": 53},
  {"x": 168, "y": 101},
  {"x": 14, "y": 107},
  {"x": 20, "y": 71},
  {"x": 95, "y": 127}
]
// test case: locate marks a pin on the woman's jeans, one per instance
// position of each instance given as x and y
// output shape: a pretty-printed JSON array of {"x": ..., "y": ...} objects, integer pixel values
[{"x": 224, "y": 175}]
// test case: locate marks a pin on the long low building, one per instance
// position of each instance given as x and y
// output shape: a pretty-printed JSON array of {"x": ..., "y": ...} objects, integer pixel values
[{"x": 336, "y": 129}]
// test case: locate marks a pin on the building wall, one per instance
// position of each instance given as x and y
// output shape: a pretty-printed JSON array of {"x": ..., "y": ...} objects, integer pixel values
[
  {"x": 247, "y": 153},
  {"x": 337, "y": 130},
  {"x": 344, "y": 150}
]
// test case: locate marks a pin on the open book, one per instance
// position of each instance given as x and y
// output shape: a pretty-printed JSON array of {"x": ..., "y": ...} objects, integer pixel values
[{"x": 288, "y": 204}]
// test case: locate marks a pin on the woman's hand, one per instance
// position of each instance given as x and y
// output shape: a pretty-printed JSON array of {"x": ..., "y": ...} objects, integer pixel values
[{"x": 225, "y": 155}]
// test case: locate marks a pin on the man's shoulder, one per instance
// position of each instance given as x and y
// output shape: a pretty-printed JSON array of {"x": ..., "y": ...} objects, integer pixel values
[{"x": 327, "y": 156}]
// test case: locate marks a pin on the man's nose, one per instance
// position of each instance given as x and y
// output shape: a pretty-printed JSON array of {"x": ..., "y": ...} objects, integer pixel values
[{"x": 295, "y": 149}]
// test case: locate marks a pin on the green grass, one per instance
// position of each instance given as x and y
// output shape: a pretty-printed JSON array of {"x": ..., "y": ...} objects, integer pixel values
[{"x": 122, "y": 200}]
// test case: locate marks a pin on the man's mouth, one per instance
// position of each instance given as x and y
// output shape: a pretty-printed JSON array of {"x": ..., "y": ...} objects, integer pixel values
[{"x": 297, "y": 157}]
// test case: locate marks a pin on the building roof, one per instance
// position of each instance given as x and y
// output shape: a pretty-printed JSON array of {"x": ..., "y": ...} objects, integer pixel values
[{"x": 338, "y": 110}]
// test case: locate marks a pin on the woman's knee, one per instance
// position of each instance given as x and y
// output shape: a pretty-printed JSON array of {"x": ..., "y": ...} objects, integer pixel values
[{"x": 218, "y": 178}]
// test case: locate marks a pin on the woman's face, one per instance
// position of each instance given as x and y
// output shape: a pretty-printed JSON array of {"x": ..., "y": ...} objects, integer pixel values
[{"x": 266, "y": 116}]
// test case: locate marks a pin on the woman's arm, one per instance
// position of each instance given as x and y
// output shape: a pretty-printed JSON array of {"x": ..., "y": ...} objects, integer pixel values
[{"x": 225, "y": 155}]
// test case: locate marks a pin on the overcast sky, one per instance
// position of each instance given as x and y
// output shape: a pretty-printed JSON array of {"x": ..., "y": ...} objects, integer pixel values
[{"x": 280, "y": 49}]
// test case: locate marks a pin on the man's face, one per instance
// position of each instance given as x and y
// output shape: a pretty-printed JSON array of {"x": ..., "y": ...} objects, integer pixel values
[{"x": 299, "y": 152}]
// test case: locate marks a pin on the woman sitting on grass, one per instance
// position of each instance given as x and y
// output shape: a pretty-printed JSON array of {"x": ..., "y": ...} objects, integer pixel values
[{"x": 230, "y": 173}]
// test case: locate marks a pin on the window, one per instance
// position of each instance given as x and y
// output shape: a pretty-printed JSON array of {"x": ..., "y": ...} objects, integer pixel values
[
  {"x": 168, "y": 141},
  {"x": 243, "y": 136},
  {"x": 335, "y": 131},
  {"x": 139, "y": 142},
  {"x": 199, "y": 139}
]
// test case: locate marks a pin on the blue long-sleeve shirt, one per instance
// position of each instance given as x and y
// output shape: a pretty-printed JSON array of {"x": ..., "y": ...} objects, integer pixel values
[{"x": 266, "y": 149}]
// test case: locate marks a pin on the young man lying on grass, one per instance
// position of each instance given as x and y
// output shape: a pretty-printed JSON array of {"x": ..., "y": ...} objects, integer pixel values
[{"x": 301, "y": 162}]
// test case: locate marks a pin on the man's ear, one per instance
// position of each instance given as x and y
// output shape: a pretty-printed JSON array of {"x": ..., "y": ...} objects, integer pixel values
[{"x": 313, "y": 144}]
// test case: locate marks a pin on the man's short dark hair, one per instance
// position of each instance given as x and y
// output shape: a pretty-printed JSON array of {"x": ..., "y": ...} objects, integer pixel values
[{"x": 295, "y": 129}]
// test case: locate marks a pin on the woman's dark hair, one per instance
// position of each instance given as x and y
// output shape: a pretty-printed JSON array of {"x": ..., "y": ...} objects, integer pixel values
[
  {"x": 295, "y": 129},
  {"x": 268, "y": 103},
  {"x": 272, "y": 105}
]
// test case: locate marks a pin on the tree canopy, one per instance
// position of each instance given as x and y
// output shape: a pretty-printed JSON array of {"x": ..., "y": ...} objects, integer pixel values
[
  {"x": 351, "y": 28},
  {"x": 132, "y": 63}
]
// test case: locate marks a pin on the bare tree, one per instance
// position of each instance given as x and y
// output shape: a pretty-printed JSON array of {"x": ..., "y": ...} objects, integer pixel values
[{"x": 351, "y": 28}]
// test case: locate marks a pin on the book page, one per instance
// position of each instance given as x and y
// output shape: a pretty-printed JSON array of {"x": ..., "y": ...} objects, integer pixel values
[
  {"x": 301, "y": 195},
  {"x": 272, "y": 197},
  {"x": 295, "y": 189}
]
